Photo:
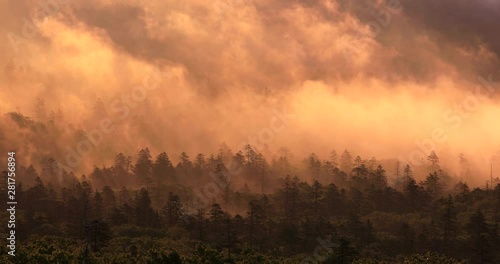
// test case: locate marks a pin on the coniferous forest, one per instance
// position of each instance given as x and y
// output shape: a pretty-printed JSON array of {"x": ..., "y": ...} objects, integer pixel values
[{"x": 241, "y": 208}]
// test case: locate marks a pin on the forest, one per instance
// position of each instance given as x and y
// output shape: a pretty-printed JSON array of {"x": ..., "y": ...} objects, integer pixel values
[
  {"x": 242, "y": 132},
  {"x": 241, "y": 208}
]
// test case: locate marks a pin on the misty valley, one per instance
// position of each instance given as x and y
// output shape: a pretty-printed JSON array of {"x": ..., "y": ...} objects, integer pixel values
[{"x": 243, "y": 207}]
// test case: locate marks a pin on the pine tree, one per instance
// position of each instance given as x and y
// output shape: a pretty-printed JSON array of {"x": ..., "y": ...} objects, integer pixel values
[
  {"x": 143, "y": 166},
  {"x": 358, "y": 161},
  {"x": 122, "y": 165},
  {"x": 479, "y": 233},
  {"x": 144, "y": 213},
  {"x": 333, "y": 158},
  {"x": 163, "y": 170},
  {"x": 316, "y": 196},
  {"x": 199, "y": 165},
  {"x": 250, "y": 154},
  {"x": 433, "y": 161},
  {"x": 414, "y": 195},
  {"x": 217, "y": 221},
  {"x": 200, "y": 223},
  {"x": 378, "y": 178},
  {"x": 407, "y": 174},
  {"x": 184, "y": 168},
  {"x": 97, "y": 205},
  {"x": 256, "y": 216},
  {"x": 173, "y": 209},
  {"x": 433, "y": 185},
  {"x": 108, "y": 199},
  {"x": 372, "y": 163},
  {"x": 448, "y": 223},
  {"x": 334, "y": 203},
  {"x": 346, "y": 162},
  {"x": 314, "y": 165},
  {"x": 226, "y": 153}
]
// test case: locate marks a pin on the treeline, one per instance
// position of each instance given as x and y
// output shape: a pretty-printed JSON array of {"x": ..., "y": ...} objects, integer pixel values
[{"x": 146, "y": 212}]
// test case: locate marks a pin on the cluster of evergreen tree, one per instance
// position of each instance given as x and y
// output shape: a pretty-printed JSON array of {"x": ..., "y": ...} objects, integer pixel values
[{"x": 142, "y": 212}]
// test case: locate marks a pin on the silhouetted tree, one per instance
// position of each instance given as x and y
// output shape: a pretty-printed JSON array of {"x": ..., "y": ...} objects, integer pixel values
[
  {"x": 433, "y": 161},
  {"x": 314, "y": 165},
  {"x": 97, "y": 205},
  {"x": 144, "y": 213},
  {"x": 433, "y": 185},
  {"x": 479, "y": 238},
  {"x": 333, "y": 158},
  {"x": 100, "y": 234},
  {"x": 173, "y": 209},
  {"x": 143, "y": 166},
  {"x": 378, "y": 178},
  {"x": 163, "y": 170},
  {"x": 346, "y": 162},
  {"x": 448, "y": 223}
]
